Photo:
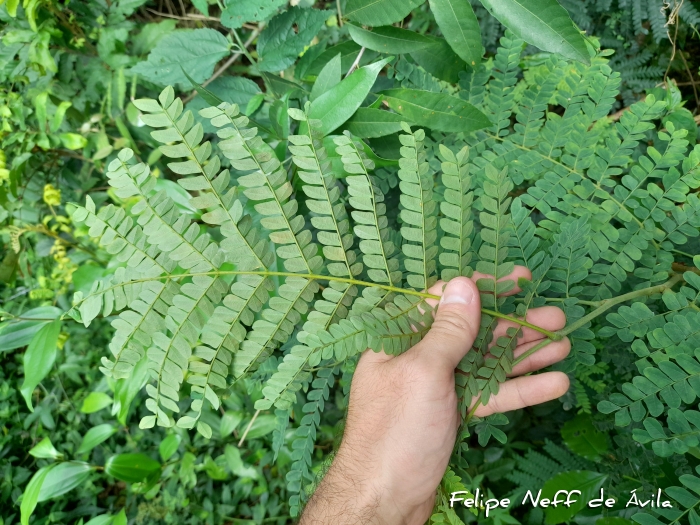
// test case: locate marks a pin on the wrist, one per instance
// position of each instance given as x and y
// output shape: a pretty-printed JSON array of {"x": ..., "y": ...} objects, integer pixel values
[{"x": 353, "y": 492}]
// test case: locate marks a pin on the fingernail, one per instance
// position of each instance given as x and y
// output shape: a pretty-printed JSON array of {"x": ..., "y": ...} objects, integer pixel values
[{"x": 457, "y": 291}]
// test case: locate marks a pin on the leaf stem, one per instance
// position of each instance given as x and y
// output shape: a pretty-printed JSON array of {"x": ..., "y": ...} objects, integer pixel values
[
  {"x": 552, "y": 335},
  {"x": 247, "y": 429},
  {"x": 609, "y": 303},
  {"x": 356, "y": 282},
  {"x": 356, "y": 63}
]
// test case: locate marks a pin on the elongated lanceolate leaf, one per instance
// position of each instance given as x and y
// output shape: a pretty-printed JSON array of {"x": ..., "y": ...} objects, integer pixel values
[
  {"x": 64, "y": 478},
  {"x": 389, "y": 39},
  {"x": 131, "y": 467},
  {"x": 31, "y": 493},
  {"x": 437, "y": 111},
  {"x": 542, "y": 23},
  {"x": 460, "y": 28},
  {"x": 336, "y": 106},
  {"x": 439, "y": 60},
  {"x": 369, "y": 123},
  {"x": 95, "y": 436},
  {"x": 39, "y": 358},
  {"x": 329, "y": 77},
  {"x": 380, "y": 12},
  {"x": 16, "y": 334}
]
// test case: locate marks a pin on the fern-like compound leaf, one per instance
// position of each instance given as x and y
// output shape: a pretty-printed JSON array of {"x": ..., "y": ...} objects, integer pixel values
[{"x": 419, "y": 211}]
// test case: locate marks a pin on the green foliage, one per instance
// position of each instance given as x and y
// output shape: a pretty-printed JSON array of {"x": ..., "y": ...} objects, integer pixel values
[{"x": 238, "y": 247}]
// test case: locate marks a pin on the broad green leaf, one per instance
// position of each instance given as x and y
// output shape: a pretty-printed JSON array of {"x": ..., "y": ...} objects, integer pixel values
[
  {"x": 348, "y": 51},
  {"x": 9, "y": 263},
  {"x": 262, "y": 426},
  {"x": 131, "y": 468},
  {"x": 239, "y": 12},
  {"x": 64, "y": 478},
  {"x": 120, "y": 519},
  {"x": 150, "y": 35},
  {"x": 229, "y": 421},
  {"x": 437, "y": 111},
  {"x": 286, "y": 36},
  {"x": 542, "y": 23},
  {"x": 379, "y": 12},
  {"x": 125, "y": 390},
  {"x": 39, "y": 358},
  {"x": 440, "y": 61},
  {"x": 196, "y": 51},
  {"x": 95, "y": 436},
  {"x": 372, "y": 123},
  {"x": 16, "y": 334},
  {"x": 460, "y": 28},
  {"x": 31, "y": 492},
  {"x": 73, "y": 141},
  {"x": 584, "y": 439},
  {"x": 589, "y": 483},
  {"x": 282, "y": 87},
  {"x": 234, "y": 90},
  {"x": 236, "y": 465},
  {"x": 169, "y": 446},
  {"x": 45, "y": 449},
  {"x": 204, "y": 429},
  {"x": 94, "y": 402},
  {"x": 202, "y": 6},
  {"x": 104, "y": 519},
  {"x": 85, "y": 275},
  {"x": 389, "y": 39},
  {"x": 210, "y": 98},
  {"x": 336, "y": 106},
  {"x": 683, "y": 119},
  {"x": 12, "y": 6},
  {"x": 329, "y": 77}
]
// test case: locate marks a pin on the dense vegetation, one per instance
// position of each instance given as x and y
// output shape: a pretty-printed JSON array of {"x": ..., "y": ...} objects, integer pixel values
[{"x": 209, "y": 209}]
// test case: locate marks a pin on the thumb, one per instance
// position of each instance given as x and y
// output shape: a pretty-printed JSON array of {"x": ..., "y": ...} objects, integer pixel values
[{"x": 456, "y": 323}]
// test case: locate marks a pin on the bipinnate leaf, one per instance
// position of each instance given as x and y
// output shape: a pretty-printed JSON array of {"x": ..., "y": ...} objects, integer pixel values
[
  {"x": 419, "y": 213},
  {"x": 457, "y": 223}
]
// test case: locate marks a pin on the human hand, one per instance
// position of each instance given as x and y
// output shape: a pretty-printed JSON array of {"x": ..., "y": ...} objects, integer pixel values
[{"x": 403, "y": 415}]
